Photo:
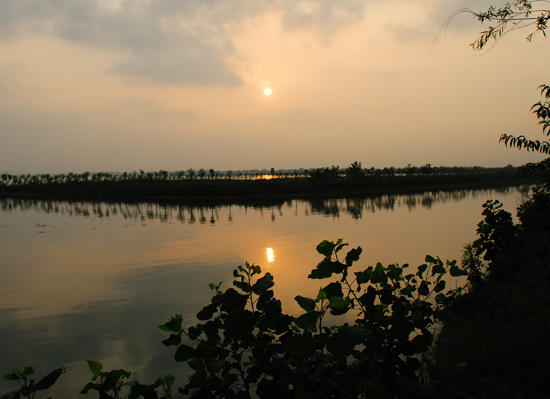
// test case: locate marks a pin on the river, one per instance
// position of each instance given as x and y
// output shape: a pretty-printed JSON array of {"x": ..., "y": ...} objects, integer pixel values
[{"x": 93, "y": 280}]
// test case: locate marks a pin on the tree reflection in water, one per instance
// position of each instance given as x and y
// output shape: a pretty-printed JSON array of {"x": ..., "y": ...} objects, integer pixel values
[{"x": 186, "y": 213}]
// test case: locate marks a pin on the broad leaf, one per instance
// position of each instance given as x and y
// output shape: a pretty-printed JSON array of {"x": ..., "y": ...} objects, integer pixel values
[
  {"x": 263, "y": 284},
  {"x": 184, "y": 353},
  {"x": 325, "y": 248},
  {"x": 95, "y": 367},
  {"x": 307, "y": 304},
  {"x": 337, "y": 302},
  {"x": 307, "y": 320},
  {"x": 48, "y": 380},
  {"x": 173, "y": 339},
  {"x": 353, "y": 255}
]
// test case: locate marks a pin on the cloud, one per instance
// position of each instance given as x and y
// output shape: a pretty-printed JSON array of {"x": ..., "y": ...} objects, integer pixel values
[{"x": 170, "y": 42}]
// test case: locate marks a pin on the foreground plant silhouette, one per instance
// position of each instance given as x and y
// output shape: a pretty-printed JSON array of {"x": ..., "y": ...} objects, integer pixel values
[
  {"x": 28, "y": 386},
  {"x": 245, "y": 346}
]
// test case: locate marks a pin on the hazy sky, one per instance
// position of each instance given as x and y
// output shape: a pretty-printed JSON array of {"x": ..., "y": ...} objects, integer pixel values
[{"x": 122, "y": 85}]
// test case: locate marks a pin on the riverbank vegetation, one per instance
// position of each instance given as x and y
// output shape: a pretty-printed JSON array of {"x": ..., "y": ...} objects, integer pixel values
[{"x": 327, "y": 182}]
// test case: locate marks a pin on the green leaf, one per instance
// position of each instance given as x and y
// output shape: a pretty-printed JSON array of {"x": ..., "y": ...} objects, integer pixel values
[
  {"x": 333, "y": 289},
  {"x": 197, "y": 380},
  {"x": 325, "y": 248},
  {"x": 215, "y": 287},
  {"x": 307, "y": 320},
  {"x": 174, "y": 339},
  {"x": 169, "y": 380},
  {"x": 207, "y": 312},
  {"x": 364, "y": 276},
  {"x": 174, "y": 324},
  {"x": 379, "y": 274},
  {"x": 264, "y": 298},
  {"x": 408, "y": 290},
  {"x": 368, "y": 298},
  {"x": 438, "y": 269},
  {"x": 95, "y": 367},
  {"x": 323, "y": 270},
  {"x": 456, "y": 271},
  {"x": 424, "y": 288},
  {"x": 254, "y": 268},
  {"x": 353, "y": 255},
  {"x": 243, "y": 285},
  {"x": 48, "y": 380},
  {"x": 184, "y": 353},
  {"x": 196, "y": 364},
  {"x": 114, "y": 376},
  {"x": 307, "y": 304},
  {"x": 338, "y": 303},
  {"x": 440, "y": 286},
  {"x": 193, "y": 333},
  {"x": 431, "y": 259},
  {"x": 87, "y": 388},
  {"x": 263, "y": 284},
  {"x": 232, "y": 300},
  {"x": 421, "y": 270},
  {"x": 321, "y": 295}
]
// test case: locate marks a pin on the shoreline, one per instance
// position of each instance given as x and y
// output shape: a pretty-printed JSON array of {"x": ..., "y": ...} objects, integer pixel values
[{"x": 254, "y": 191}]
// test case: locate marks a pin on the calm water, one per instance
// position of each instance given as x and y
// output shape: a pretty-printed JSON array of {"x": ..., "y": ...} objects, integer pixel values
[{"x": 93, "y": 280}]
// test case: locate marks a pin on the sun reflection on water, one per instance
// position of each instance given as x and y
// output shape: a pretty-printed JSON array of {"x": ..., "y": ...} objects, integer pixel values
[{"x": 270, "y": 255}]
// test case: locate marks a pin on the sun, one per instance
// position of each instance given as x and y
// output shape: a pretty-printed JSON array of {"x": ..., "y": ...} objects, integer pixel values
[{"x": 267, "y": 91}]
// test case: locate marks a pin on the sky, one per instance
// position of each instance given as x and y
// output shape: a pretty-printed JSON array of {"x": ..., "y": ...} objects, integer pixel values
[{"x": 124, "y": 85}]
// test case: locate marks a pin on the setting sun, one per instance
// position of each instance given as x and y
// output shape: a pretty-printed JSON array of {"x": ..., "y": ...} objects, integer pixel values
[{"x": 267, "y": 91}]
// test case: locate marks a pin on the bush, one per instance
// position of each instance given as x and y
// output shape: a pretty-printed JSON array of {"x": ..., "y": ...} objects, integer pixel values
[{"x": 246, "y": 346}]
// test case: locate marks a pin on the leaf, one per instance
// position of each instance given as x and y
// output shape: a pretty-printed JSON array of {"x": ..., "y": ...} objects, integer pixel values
[
  {"x": 322, "y": 270},
  {"x": 88, "y": 386},
  {"x": 338, "y": 303},
  {"x": 440, "y": 286},
  {"x": 421, "y": 270},
  {"x": 456, "y": 271},
  {"x": 11, "y": 395},
  {"x": 184, "y": 353},
  {"x": 95, "y": 367},
  {"x": 333, "y": 289},
  {"x": 347, "y": 338},
  {"x": 307, "y": 320},
  {"x": 263, "y": 284},
  {"x": 193, "y": 333},
  {"x": 353, "y": 255},
  {"x": 244, "y": 286},
  {"x": 424, "y": 288},
  {"x": 325, "y": 248},
  {"x": 368, "y": 298},
  {"x": 232, "y": 300},
  {"x": 169, "y": 380},
  {"x": 321, "y": 295},
  {"x": 114, "y": 376},
  {"x": 307, "y": 304},
  {"x": 174, "y": 339},
  {"x": 364, "y": 276},
  {"x": 408, "y": 290},
  {"x": 431, "y": 259},
  {"x": 300, "y": 346},
  {"x": 264, "y": 298},
  {"x": 48, "y": 380},
  {"x": 207, "y": 312},
  {"x": 174, "y": 324}
]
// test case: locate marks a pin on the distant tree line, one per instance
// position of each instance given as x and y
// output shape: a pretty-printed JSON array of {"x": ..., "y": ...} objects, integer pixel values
[{"x": 354, "y": 171}]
